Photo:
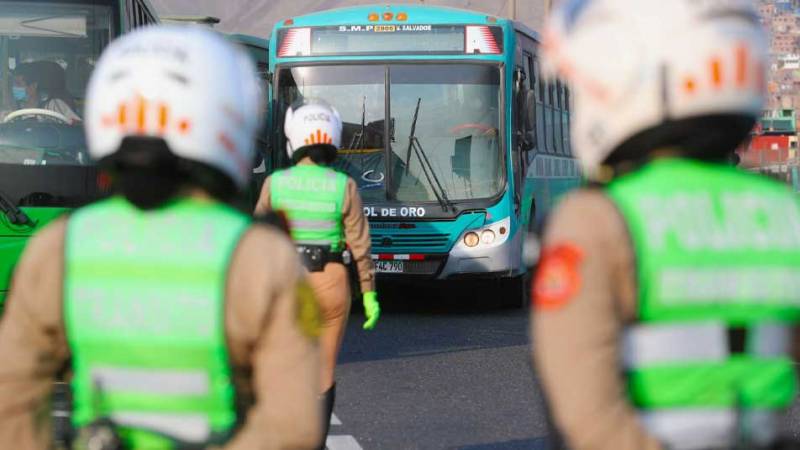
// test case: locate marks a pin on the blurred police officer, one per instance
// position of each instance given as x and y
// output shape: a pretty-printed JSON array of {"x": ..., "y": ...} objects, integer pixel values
[
  {"x": 185, "y": 325},
  {"x": 667, "y": 290}
]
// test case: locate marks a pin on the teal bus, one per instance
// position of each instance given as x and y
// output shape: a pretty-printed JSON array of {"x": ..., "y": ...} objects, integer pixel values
[
  {"x": 258, "y": 49},
  {"x": 44, "y": 165},
  {"x": 458, "y": 146}
]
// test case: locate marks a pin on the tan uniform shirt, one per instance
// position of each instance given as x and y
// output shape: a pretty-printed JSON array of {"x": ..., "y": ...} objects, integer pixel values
[
  {"x": 576, "y": 335},
  {"x": 356, "y": 231},
  {"x": 274, "y": 363}
]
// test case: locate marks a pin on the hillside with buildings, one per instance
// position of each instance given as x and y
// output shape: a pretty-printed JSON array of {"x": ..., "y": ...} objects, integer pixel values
[{"x": 773, "y": 147}]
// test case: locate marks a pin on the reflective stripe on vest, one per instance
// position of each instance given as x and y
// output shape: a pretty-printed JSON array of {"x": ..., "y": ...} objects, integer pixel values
[
  {"x": 645, "y": 345},
  {"x": 312, "y": 197},
  {"x": 191, "y": 428},
  {"x": 144, "y": 304},
  {"x": 691, "y": 429},
  {"x": 718, "y": 249}
]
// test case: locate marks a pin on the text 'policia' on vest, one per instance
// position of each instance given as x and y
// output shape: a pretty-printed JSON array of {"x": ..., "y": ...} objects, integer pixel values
[{"x": 312, "y": 197}]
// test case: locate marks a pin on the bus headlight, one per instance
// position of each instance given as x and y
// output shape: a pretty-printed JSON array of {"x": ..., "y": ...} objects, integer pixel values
[
  {"x": 471, "y": 239},
  {"x": 488, "y": 236}
]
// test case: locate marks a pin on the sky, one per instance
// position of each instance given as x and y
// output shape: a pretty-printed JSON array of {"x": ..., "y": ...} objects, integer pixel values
[{"x": 256, "y": 17}]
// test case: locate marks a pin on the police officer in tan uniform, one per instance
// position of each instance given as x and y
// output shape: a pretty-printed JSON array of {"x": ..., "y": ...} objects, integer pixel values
[
  {"x": 183, "y": 324},
  {"x": 326, "y": 216},
  {"x": 667, "y": 290}
]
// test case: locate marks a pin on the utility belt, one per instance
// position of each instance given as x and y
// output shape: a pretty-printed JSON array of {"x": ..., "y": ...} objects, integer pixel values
[{"x": 314, "y": 257}]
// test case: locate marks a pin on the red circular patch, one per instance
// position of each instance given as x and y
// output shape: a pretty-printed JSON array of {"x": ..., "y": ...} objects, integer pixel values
[{"x": 558, "y": 278}]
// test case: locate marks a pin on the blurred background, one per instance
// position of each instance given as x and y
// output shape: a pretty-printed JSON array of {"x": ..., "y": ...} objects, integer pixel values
[
  {"x": 256, "y": 17},
  {"x": 772, "y": 149}
]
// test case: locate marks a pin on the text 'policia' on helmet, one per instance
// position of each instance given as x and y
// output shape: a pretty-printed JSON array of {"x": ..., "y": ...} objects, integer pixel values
[
  {"x": 312, "y": 122},
  {"x": 184, "y": 85},
  {"x": 646, "y": 70}
]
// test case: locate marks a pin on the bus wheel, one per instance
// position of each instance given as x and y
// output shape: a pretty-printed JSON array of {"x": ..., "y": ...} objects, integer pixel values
[{"x": 516, "y": 291}]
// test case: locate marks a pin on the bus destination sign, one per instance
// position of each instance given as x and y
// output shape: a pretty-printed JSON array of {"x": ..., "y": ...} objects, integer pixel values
[{"x": 390, "y": 39}]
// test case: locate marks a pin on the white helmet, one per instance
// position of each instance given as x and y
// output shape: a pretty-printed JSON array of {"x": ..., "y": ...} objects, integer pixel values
[
  {"x": 634, "y": 65},
  {"x": 186, "y": 85},
  {"x": 312, "y": 122}
]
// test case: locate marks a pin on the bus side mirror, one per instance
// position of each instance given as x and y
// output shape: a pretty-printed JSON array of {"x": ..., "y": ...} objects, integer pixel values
[{"x": 529, "y": 118}]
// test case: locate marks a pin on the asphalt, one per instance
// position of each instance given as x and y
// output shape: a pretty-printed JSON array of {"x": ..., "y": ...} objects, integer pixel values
[{"x": 445, "y": 369}]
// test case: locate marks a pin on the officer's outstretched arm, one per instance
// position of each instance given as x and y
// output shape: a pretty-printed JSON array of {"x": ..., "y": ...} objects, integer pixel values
[
  {"x": 579, "y": 295},
  {"x": 356, "y": 231},
  {"x": 263, "y": 203},
  {"x": 32, "y": 343},
  {"x": 273, "y": 320}
]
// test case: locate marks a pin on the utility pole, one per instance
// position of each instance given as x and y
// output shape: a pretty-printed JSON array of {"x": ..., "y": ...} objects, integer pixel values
[{"x": 512, "y": 9}]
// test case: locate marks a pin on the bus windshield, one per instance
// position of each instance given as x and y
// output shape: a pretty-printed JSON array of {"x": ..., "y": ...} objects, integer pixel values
[
  {"x": 47, "y": 52},
  {"x": 442, "y": 138}
]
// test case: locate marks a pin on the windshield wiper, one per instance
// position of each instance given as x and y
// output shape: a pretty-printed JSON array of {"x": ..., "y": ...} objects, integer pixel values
[
  {"x": 15, "y": 215},
  {"x": 357, "y": 141},
  {"x": 425, "y": 163}
]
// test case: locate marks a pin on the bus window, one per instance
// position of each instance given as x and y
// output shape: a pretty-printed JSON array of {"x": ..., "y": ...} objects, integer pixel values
[
  {"x": 568, "y": 119},
  {"x": 564, "y": 113},
  {"x": 358, "y": 93},
  {"x": 538, "y": 88},
  {"x": 558, "y": 123},
  {"x": 458, "y": 128},
  {"x": 548, "y": 118},
  {"x": 41, "y": 134}
]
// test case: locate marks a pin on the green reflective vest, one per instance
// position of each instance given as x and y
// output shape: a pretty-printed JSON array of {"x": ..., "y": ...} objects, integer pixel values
[
  {"x": 144, "y": 310},
  {"x": 718, "y": 254},
  {"x": 312, "y": 197}
]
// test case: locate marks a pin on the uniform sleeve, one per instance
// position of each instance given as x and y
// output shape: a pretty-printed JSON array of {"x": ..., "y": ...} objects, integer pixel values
[
  {"x": 32, "y": 343},
  {"x": 263, "y": 203},
  {"x": 272, "y": 326},
  {"x": 583, "y": 294},
  {"x": 356, "y": 232}
]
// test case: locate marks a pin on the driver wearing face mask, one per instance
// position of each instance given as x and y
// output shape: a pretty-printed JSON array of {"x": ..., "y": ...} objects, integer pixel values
[{"x": 42, "y": 85}]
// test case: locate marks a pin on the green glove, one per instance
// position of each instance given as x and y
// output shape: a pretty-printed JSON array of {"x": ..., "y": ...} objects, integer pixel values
[{"x": 372, "y": 309}]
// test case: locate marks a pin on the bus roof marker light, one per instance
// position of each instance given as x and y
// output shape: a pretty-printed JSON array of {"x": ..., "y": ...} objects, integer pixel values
[
  {"x": 388, "y": 15},
  {"x": 481, "y": 40},
  {"x": 402, "y": 17},
  {"x": 288, "y": 22},
  {"x": 296, "y": 42},
  {"x": 373, "y": 17}
]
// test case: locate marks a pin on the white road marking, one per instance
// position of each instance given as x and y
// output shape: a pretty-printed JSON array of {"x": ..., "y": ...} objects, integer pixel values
[
  {"x": 335, "y": 420},
  {"x": 342, "y": 443}
]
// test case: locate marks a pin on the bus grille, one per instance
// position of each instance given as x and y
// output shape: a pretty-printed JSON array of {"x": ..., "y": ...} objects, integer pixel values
[{"x": 428, "y": 242}]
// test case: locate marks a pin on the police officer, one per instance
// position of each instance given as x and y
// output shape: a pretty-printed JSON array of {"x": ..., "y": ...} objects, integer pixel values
[
  {"x": 325, "y": 214},
  {"x": 185, "y": 325},
  {"x": 668, "y": 289}
]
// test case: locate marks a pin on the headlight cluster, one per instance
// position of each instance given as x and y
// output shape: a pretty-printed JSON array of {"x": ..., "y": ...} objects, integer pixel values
[{"x": 493, "y": 234}]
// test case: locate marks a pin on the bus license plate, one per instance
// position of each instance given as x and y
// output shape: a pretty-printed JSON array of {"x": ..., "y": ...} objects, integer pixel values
[{"x": 389, "y": 266}]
